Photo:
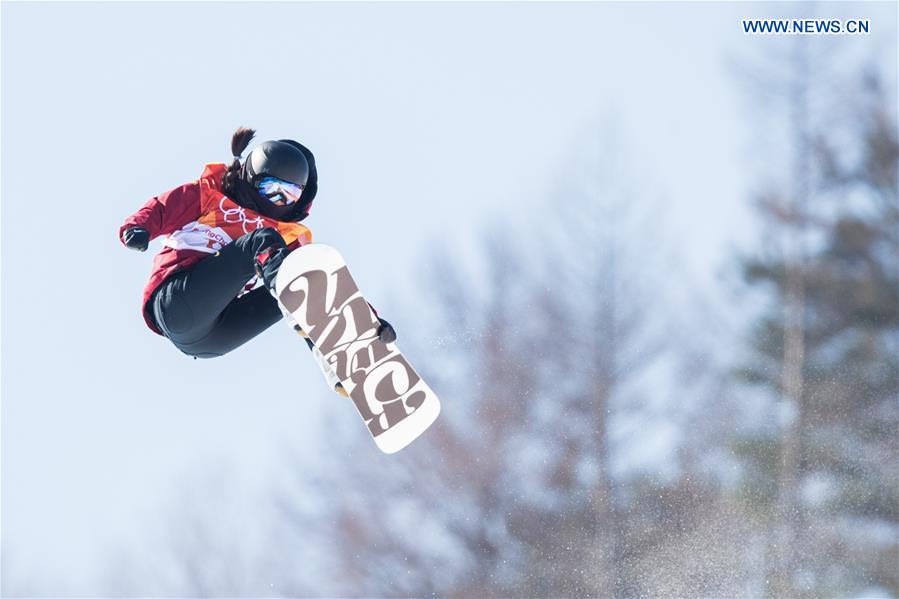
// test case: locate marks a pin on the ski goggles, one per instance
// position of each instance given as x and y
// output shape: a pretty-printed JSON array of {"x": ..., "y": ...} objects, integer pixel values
[{"x": 276, "y": 191}]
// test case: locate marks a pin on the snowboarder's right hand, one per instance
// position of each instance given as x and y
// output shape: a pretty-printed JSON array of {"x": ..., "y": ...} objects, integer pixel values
[
  {"x": 268, "y": 262},
  {"x": 136, "y": 238}
]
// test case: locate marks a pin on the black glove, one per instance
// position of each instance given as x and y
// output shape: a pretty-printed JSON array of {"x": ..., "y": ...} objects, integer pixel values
[
  {"x": 386, "y": 334},
  {"x": 268, "y": 262},
  {"x": 136, "y": 238}
]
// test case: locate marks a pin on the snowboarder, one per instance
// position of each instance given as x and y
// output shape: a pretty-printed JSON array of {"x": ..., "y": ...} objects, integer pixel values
[{"x": 211, "y": 286}]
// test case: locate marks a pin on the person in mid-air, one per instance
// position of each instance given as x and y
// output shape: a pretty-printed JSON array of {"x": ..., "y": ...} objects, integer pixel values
[{"x": 211, "y": 288}]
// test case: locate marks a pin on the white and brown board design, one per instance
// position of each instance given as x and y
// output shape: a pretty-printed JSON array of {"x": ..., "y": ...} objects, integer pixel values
[{"x": 315, "y": 285}]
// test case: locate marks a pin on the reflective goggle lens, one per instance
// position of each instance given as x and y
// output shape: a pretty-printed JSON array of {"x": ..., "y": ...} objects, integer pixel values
[{"x": 278, "y": 191}]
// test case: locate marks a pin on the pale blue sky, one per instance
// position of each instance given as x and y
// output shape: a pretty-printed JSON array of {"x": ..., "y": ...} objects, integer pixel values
[{"x": 427, "y": 121}]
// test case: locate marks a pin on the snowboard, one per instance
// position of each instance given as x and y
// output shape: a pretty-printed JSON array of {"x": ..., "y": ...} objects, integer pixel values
[{"x": 315, "y": 286}]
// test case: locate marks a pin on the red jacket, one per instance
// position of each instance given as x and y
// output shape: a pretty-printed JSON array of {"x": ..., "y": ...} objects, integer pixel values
[{"x": 199, "y": 220}]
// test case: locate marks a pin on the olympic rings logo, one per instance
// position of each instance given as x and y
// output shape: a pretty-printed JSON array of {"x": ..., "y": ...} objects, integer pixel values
[{"x": 239, "y": 215}]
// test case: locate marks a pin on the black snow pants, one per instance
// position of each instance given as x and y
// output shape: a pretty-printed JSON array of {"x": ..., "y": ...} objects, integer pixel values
[{"x": 198, "y": 309}]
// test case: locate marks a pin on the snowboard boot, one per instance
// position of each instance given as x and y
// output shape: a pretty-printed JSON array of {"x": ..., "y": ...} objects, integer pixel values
[
  {"x": 328, "y": 372},
  {"x": 267, "y": 265},
  {"x": 331, "y": 378}
]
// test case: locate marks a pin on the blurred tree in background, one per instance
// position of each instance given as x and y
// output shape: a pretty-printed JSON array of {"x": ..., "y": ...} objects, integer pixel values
[
  {"x": 521, "y": 485},
  {"x": 823, "y": 475}
]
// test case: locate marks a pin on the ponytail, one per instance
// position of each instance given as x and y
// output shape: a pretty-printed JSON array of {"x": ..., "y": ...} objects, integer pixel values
[{"x": 239, "y": 142}]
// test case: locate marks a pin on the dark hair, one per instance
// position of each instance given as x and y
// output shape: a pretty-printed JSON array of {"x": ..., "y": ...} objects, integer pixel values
[{"x": 239, "y": 142}]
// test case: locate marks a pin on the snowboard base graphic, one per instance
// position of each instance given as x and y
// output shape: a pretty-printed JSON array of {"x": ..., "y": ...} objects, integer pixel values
[{"x": 315, "y": 286}]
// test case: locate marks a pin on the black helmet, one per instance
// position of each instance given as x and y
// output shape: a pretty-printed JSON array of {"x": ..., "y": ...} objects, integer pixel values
[
  {"x": 277, "y": 159},
  {"x": 284, "y": 159}
]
